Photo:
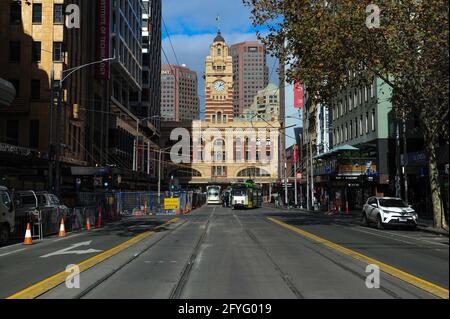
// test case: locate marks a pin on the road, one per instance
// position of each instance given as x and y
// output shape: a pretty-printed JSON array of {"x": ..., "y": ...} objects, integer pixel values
[{"x": 216, "y": 252}]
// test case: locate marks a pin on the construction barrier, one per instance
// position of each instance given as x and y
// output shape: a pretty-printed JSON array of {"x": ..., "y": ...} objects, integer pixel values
[{"x": 101, "y": 208}]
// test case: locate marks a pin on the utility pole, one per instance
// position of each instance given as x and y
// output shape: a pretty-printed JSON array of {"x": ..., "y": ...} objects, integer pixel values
[
  {"x": 58, "y": 136},
  {"x": 397, "y": 153},
  {"x": 295, "y": 173},
  {"x": 159, "y": 178},
  {"x": 285, "y": 185},
  {"x": 312, "y": 171},
  {"x": 405, "y": 160},
  {"x": 50, "y": 132},
  {"x": 301, "y": 170}
]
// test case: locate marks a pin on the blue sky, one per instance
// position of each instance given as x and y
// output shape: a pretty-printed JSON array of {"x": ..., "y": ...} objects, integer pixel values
[{"x": 192, "y": 27}]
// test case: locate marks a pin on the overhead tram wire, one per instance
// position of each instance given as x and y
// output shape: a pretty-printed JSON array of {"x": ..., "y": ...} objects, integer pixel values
[{"x": 170, "y": 41}]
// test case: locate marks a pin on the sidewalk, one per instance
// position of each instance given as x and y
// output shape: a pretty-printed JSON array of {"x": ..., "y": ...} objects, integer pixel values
[{"x": 427, "y": 226}]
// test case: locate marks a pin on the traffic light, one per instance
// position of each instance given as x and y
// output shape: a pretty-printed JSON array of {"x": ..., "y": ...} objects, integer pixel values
[{"x": 108, "y": 181}]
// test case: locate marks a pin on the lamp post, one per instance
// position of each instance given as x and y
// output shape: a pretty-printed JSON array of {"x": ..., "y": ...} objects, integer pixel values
[
  {"x": 62, "y": 77},
  {"x": 136, "y": 144}
]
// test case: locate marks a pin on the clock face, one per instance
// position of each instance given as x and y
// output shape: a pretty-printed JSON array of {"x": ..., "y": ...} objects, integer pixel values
[{"x": 219, "y": 86}]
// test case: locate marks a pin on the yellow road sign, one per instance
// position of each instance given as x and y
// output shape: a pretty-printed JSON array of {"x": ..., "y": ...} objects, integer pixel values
[{"x": 171, "y": 203}]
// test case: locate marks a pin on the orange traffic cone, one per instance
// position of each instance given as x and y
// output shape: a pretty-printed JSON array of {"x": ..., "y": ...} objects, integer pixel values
[
  {"x": 62, "y": 229},
  {"x": 88, "y": 224},
  {"x": 28, "y": 240}
]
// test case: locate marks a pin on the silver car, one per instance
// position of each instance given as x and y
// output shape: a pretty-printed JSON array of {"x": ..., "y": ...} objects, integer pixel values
[{"x": 388, "y": 211}]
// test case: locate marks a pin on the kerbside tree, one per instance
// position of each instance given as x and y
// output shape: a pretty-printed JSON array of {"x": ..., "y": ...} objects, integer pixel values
[{"x": 405, "y": 43}]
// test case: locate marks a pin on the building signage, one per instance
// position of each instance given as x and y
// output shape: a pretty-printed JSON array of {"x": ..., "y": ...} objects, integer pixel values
[
  {"x": 17, "y": 150},
  {"x": 103, "y": 34}
]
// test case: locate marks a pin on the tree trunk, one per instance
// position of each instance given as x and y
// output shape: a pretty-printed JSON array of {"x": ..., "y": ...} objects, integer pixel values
[{"x": 433, "y": 175}]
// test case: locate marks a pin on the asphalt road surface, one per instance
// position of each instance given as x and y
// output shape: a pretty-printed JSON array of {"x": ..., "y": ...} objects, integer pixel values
[{"x": 217, "y": 252}]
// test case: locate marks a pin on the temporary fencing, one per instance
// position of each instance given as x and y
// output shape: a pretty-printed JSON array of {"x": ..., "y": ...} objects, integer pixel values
[{"x": 100, "y": 208}]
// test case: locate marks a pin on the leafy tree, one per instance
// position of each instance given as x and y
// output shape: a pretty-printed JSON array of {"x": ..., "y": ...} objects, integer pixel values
[{"x": 408, "y": 50}]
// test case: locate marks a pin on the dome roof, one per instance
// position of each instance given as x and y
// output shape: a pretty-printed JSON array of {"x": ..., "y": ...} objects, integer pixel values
[{"x": 219, "y": 37}]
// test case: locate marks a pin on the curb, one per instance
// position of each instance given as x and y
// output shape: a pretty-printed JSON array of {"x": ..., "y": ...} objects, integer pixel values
[{"x": 432, "y": 230}]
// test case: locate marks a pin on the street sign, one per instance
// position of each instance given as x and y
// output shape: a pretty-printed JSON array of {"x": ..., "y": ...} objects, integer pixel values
[{"x": 170, "y": 203}]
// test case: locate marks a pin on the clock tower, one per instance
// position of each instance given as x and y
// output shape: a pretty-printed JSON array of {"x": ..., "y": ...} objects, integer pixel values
[{"x": 219, "y": 83}]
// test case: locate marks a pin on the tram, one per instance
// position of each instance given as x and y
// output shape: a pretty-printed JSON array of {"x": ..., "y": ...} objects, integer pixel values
[
  {"x": 246, "y": 195},
  {"x": 213, "y": 194}
]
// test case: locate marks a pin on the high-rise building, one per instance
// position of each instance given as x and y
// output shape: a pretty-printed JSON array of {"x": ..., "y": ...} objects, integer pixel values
[
  {"x": 101, "y": 104},
  {"x": 179, "y": 97},
  {"x": 266, "y": 104},
  {"x": 150, "y": 98},
  {"x": 250, "y": 73},
  {"x": 39, "y": 48}
]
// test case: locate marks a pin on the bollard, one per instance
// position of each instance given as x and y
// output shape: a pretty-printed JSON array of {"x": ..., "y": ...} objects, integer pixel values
[{"x": 99, "y": 220}]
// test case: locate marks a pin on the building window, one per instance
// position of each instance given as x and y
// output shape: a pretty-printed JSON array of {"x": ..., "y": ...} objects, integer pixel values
[
  {"x": 15, "y": 15},
  {"x": 36, "y": 52},
  {"x": 37, "y": 13},
  {"x": 14, "y": 51},
  {"x": 12, "y": 132},
  {"x": 58, "y": 13},
  {"x": 372, "y": 88},
  {"x": 361, "y": 125},
  {"x": 351, "y": 130},
  {"x": 373, "y": 120},
  {"x": 34, "y": 134},
  {"x": 219, "y": 171},
  {"x": 35, "y": 89},
  {"x": 57, "y": 51},
  {"x": 16, "y": 84},
  {"x": 367, "y": 122}
]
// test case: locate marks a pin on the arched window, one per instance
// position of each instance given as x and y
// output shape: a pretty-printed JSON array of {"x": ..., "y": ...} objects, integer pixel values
[{"x": 253, "y": 172}]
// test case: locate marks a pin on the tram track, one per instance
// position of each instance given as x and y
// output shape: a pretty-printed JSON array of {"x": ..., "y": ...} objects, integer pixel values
[
  {"x": 128, "y": 261},
  {"x": 286, "y": 278},
  {"x": 177, "y": 289}
]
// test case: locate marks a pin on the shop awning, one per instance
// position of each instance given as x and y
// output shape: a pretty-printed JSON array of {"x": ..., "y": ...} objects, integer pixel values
[{"x": 337, "y": 150}]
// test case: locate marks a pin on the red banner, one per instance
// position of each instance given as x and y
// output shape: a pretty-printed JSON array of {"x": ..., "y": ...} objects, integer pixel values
[
  {"x": 295, "y": 154},
  {"x": 298, "y": 95},
  {"x": 103, "y": 33}
]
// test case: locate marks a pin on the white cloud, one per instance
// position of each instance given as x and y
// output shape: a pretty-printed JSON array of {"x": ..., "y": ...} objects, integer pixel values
[{"x": 199, "y": 16}]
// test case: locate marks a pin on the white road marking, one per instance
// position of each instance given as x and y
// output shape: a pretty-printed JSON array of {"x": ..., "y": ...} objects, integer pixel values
[
  {"x": 12, "y": 252},
  {"x": 70, "y": 236},
  {"x": 68, "y": 251},
  {"x": 384, "y": 234}
]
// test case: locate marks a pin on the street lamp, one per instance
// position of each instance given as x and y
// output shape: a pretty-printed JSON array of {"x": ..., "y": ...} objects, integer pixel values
[
  {"x": 136, "y": 143},
  {"x": 62, "y": 78}
]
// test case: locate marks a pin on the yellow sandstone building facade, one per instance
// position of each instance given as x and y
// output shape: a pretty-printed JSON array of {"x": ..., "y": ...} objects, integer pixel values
[{"x": 227, "y": 149}]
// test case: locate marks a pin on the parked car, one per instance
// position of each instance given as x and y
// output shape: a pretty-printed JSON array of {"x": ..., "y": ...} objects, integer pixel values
[
  {"x": 30, "y": 206},
  {"x": 7, "y": 215},
  {"x": 388, "y": 211}
]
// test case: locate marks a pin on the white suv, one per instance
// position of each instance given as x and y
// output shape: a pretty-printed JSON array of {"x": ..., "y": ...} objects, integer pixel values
[{"x": 390, "y": 211}]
